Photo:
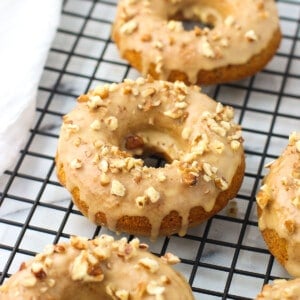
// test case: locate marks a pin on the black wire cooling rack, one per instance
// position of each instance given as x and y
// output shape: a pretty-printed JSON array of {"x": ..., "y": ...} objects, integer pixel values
[{"x": 225, "y": 258}]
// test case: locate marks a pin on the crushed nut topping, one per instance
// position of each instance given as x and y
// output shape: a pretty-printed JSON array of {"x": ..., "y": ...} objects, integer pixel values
[
  {"x": 102, "y": 91},
  {"x": 217, "y": 146},
  {"x": 83, "y": 270},
  {"x": 38, "y": 270},
  {"x": 112, "y": 123},
  {"x": 235, "y": 145},
  {"x": 141, "y": 201},
  {"x": 152, "y": 194},
  {"x": 170, "y": 258},
  {"x": 251, "y": 36},
  {"x": 129, "y": 27},
  {"x": 221, "y": 183},
  {"x": 76, "y": 164},
  {"x": 134, "y": 142},
  {"x": 149, "y": 264},
  {"x": 117, "y": 188},
  {"x": 161, "y": 177},
  {"x": 190, "y": 178},
  {"x": 153, "y": 288},
  {"x": 207, "y": 49},
  {"x": 79, "y": 243},
  {"x": 95, "y": 125},
  {"x": 71, "y": 128},
  {"x": 174, "y": 26}
]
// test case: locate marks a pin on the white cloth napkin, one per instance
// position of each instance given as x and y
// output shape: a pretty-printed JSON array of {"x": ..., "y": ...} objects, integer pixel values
[{"x": 27, "y": 28}]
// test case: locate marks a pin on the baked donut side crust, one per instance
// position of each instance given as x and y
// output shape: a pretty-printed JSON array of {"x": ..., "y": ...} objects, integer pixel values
[
  {"x": 171, "y": 223},
  {"x": 243, "y": 38},
  {"x": 218, "y": 75},
  {"x": 102, "y": 139},
  {"x": 278, "y": 205},
  {"x": 102, "y": 268}
]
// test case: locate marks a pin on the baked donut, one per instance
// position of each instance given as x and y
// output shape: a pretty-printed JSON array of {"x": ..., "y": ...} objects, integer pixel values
[
  {"x": 102, "y": 268},
  {"x": 239, "y": 40},
  {"x": 278, "y": 203},
  {"x": 281, "y": 289},
  {"x": 112, "y": 127}
]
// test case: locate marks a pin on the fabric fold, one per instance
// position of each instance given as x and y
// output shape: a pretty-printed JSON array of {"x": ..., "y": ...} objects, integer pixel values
[{"x": 27, "y": 29}]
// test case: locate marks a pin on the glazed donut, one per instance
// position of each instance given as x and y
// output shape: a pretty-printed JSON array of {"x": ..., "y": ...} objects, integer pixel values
[
  {"x": 102, "y": 268},
  {"x": 241, "y": 38},
  {"x": 278, "y": 203},
  {"x": 103, "y": 139},
  {"x": 281, "y": 289}
]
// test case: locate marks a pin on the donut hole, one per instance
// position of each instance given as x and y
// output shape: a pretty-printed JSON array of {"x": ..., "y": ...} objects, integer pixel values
[
  {"x": 155, "y": 148},
  {"x": 197, "y": 16},
  {"x": 153, "y": 158}
]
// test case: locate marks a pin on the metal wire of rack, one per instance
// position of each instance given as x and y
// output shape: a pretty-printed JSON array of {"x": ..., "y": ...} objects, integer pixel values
[{"x": 225, "y": 258}]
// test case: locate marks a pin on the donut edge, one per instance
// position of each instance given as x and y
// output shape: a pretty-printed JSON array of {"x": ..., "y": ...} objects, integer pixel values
[
  {"x": 171, "y": 223},
  {"x": 216, "y": 76}
]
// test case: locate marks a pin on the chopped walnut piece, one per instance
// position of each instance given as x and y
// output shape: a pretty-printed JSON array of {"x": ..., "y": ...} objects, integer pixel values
[
  {"x": 71, "y": 128},
  {"x": 189, "y": 179},
  {"x": 173, "y": 114},
  {"x": 149, "y": 264},
  {"x": 235, "y": 145},
  {"x": 38, "y": 270},
  {"x": 59, "y": 248},
  {"x": 77, "y": 142},
  {"x": 217, "y": 146},
  {"x": 221, "y": 183},
  {"x": 79, "y": 243},
  {"x": 95, "y": 125},
  {"x": 102, "y": 252},
  {"x": 112, "y": 123},
  {"x": 251, "y": 36},
  {"x": 134, "y": 142},
  {"x": 129, "y": 27},
  {"x": 76, "y": 164},
  {"x": 152, "y": 194},
  {"x": 174, "y": 26},
  {"x": 141, "y": 201},
  {"x": 207, "y": 169},
  {"x": 83, "y": 270},
  {"x": 161, "y": 177},
  {"x": 94, "y": 102},
  {"x": 219, "y": 108},
  {"x": 207, "y": 49},
  {"x": 262, "y": 199},
  {"x": 103, "y": 165},
  {"x": 102, "y": 91},
  {"x": 153, "y": 288},
  {"x": 117, "y": 188},
  {"x": 122, "y": 294},
  {"x": 170, "y": 258}
]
